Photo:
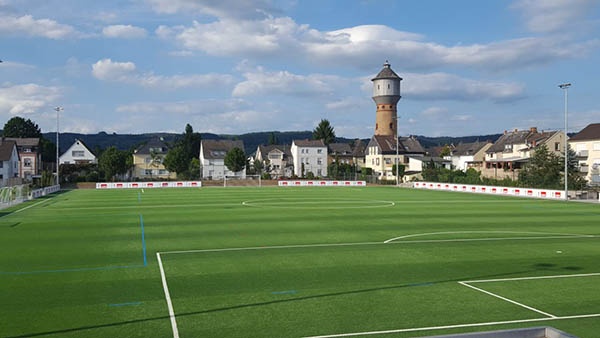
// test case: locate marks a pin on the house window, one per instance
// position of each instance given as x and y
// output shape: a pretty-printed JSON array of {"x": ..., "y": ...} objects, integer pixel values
[
  {"x": 597, "y": 146},
  {"x": 319, "y": 161},
  {"x": 508, "y": 147},
  {"x": 148, "y": 172},
  {"x": 27, "y": 162},
  {"x": 77, "y": 153},
  {"x": 1, "y": 164},
  {"x": 556, "y": 146},
  {"x": 319, "y": 151},
  {"x": 1, "y": 176},
  {"x": 163, "y": 172},
  {"x": 318, "y": 172},
  {"x": 376, "y": 161}
]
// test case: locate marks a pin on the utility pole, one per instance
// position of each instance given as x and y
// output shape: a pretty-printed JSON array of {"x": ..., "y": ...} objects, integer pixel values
[
  {"x": 565, "y": 87},
  {"x": 58, "y": 109}
]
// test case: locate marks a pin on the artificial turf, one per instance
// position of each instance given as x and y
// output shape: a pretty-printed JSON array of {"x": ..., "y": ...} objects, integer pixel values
[{"x": 74, "y": 265}]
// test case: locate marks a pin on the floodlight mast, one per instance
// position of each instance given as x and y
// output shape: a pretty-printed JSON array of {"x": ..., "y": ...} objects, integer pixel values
[
  {"x": 565, "y": 88},
  {"x": 57, "y": 109}
]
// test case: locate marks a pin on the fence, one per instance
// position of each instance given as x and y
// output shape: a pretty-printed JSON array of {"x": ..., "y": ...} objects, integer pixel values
[
  {"x": 136, "y": 185},
  {"x": 300, "y": 183},
  {"x": 493, "y": 190},
  {"x": 14, "y": 195}
]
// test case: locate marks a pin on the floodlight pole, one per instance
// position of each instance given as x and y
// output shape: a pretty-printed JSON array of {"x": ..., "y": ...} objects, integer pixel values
[
  {"x": 397, "y": 150},
  {"x": 58, "y": 109},
  {"x": 565, "y": 88}
]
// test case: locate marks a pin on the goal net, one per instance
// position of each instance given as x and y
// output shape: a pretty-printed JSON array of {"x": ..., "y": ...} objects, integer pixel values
[{"x": 248, "y": 181}]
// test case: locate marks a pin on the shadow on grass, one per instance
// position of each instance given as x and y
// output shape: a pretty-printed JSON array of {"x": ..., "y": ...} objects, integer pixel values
[
  {"x": 40, "y": 199},
  {"x": 280, "y": 301}
]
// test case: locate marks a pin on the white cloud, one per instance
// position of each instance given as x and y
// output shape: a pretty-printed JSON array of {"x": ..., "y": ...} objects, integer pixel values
[
  {"x": 126, "y": 72},
  {"x": 553, "y": 15},
  {"x": 433, "y": 111},
  {"x": 27, "y": 25},
  {"x": 461, "y": 117},
  {"x": 443, "y": 86},
  {"x": 124, "y": 32},
  {"x": 27, "y": 98},
  {"x": 222, "y": 8},
  {"x": 262, "y": 82},
  {"x": 181, "y": 53},
  {"x": 364, "y": 46},
  {"x": 350, "y": 103},
  {"x": 198, "y": 107}
]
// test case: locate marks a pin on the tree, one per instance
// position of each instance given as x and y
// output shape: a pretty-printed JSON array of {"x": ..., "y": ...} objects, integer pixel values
[
  {"x": 19, "y": 127},
  {"x": 113, "y": 162},
  {"x": 445, "y": 151},
  {"x": 191, "y": 142},
  {"x": 324, "y": 131},
  {"x": 401, "y": 170},
  {"x": 235, "y": 159},
  {"x": 273, "y": 139},
  {"x": 194, "y": 168},
  {"x": 542, "y": 171},
  {"x": 258, "y": 166},
  {"x": 176, "y": 161}
]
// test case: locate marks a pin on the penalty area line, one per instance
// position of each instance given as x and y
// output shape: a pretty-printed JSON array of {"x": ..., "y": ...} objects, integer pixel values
[
  {"x": 168, "y": 297},
  {"x": 433, "y": 328},
  {"x": 507, "y": 300}
]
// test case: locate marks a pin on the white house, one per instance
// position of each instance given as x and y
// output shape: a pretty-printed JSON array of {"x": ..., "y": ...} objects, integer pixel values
[
  {"x": 465, "y": 155},
  {"x": 78, "y": 153},
  {"x": 9, "y": 162},
  {"x": 310, "y": 155},
  {"x": 381, "y": 155},
  {"x": 276, "y": 158},
  {"x": 587, "y": 145},
  {"x": 212, "y": 158}
]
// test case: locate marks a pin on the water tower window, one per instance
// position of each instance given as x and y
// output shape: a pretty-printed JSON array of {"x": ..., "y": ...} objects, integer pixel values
[
  {"x": 378, "y": 87},
  {"x": 376, "y": 126},
  {"x": 391, "y": 126},
  {"x": 388, "y": 86}
]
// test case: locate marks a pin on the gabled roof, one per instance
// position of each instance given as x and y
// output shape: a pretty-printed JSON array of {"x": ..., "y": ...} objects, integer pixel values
[
  {"x": 359, "y": 149},
  {"x": 386, "y": 73},
  {"x": 591, "y": 132},
  {"x": 467, "y": 149},
  {"x": 83, "y": 144},
  {"x": 6, "y": 149},
  {"x": 217, "y": 149},
  {"x": 25, "y": 142},
  {"x": 530, "y": 137},
  {"x": 339, "y": 149},
  {"x": 156, "y": 144},
  {"x": 406, "y": 145},
  {"x": 435, "y": 159},
  {"x": 309, "y": 143},
  {"x": 285, "y": 149}
]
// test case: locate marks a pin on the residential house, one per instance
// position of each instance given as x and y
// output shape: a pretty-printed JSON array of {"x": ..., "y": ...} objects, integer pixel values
[
  {"x": 309, "y": 156},
  {"x": 212, "y": 158},
  {"x": 78, "y": 153},
  {"x": 586, "y": 144},
  {"x": 469, "y": 155},
  {"x": 511, "y": 152},
  {"x": 358, "y": 153},
  {"x": 9, "y": 163},
  {"x": 416, "y": 164},
  {"x": 30, "y": 156},
  {"x": 381, "y": 154},
  {"x": 342, "y": 152},
  {"x": 148, "y": 161},
  {"x": 276, "y": 158}
]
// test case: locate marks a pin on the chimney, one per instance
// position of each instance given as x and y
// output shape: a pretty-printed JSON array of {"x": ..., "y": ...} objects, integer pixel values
[
  {"x": 516, "y": 130},
  {"x": 534, "y": 143},
  {"x": 533, "y": 130},
  {"x": 505, "y": 132}
]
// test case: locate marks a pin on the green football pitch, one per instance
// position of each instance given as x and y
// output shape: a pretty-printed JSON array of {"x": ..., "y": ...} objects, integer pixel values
[{"x": 296, "y": 262}]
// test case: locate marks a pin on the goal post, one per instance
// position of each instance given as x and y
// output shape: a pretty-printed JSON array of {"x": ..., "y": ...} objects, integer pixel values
[{"x": 248, "y": 181}]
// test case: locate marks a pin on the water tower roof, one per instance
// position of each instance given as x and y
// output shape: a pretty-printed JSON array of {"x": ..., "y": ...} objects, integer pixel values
[{"x": 386, "y": 73}]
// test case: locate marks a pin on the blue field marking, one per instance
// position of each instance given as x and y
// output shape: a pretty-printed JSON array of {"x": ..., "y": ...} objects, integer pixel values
[
  {"x": 125, "y": 304},
  {"x": 72, "y": 270},
  {"x": 283, "y": 292},
  {"x": 143, "y": 240},
  {"x": 139, "y": 197},
  {"x": 420, "y": 284}
]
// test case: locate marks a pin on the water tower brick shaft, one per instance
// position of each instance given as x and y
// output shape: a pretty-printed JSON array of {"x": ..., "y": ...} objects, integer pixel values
[{"x": 386, "y": 94}]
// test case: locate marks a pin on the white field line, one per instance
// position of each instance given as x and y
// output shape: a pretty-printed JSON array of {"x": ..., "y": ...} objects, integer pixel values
[
  {"x": 266, "y": 203},
  {"x": 432, "y": 328},
  {"x": 529, "y": 278},
  {"x": 31, "y": 206},
  {"x": 508, "y": 300},
  {"x": 485, "y": 232},
  {"x": 151, "y": 206},
  {"x": 375, "y": 243},
  {"x": 168, "y": 297}
]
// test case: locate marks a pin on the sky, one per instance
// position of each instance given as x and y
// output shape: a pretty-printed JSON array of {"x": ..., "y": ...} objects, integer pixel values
[{"x": 469, "y": 67}]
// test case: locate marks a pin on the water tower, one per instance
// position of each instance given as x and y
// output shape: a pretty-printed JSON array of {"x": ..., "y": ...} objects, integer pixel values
[{"x": 386, "y": 94}]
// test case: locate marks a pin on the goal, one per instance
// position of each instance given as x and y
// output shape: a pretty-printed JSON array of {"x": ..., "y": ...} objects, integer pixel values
[{"x": 248, "y": 181}]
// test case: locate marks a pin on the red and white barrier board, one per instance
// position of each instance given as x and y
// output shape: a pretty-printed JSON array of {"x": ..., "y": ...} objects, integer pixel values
[
  {"x": 136, "y": 185},
  {"x": 304, "y": 183},
  {"x": 492, "y": 190},
  {"x": 45, "y": 191}
]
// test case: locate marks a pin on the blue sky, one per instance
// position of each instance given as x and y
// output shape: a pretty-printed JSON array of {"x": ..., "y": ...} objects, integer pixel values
[{"x": 235, "y": 66}]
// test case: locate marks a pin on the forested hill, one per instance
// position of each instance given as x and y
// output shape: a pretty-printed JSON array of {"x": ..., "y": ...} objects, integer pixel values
[{"x": 103, "y": 140}]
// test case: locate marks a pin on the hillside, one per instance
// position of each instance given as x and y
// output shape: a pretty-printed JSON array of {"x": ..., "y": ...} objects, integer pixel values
[{"x": 251, "y": 140}]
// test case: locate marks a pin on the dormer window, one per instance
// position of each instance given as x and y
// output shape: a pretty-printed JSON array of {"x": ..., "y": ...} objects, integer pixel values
[{"x": 508, "y": 147}]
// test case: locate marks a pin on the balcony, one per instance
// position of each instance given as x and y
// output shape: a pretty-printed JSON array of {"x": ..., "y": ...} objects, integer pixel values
[{"x": 582, "y": 153}]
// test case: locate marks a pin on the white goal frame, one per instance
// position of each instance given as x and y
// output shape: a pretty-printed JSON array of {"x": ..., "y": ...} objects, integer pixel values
[{"x": 237, "y": 178}]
